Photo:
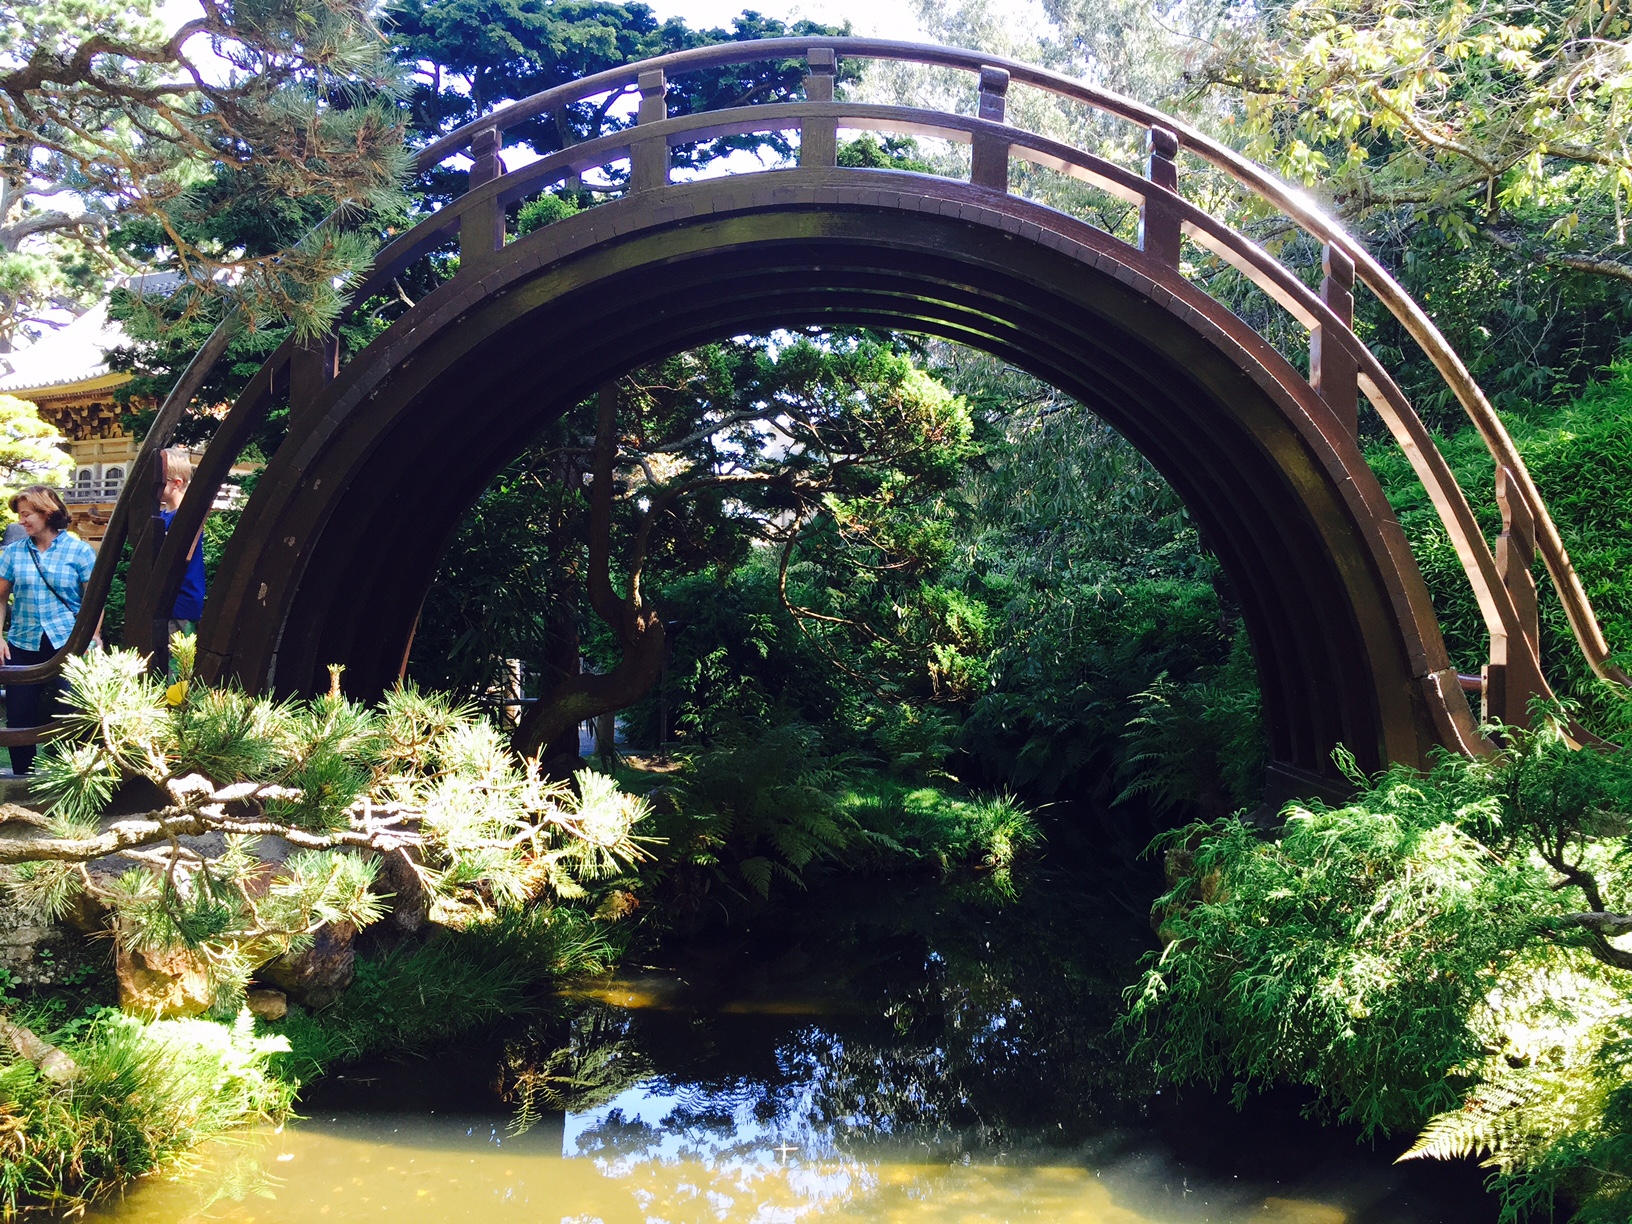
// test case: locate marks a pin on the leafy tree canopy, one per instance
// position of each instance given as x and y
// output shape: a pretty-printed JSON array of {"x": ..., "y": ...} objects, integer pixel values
[
  {"x": 782, "y": 443},
  {"x": 31, "y": 452},
  {"x": 121, "y": 139}
]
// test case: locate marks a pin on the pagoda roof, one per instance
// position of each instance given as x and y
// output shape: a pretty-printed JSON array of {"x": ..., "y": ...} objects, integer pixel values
[
  {"x": 77, "y": 353},
  {"x": 75, "y": 357}
]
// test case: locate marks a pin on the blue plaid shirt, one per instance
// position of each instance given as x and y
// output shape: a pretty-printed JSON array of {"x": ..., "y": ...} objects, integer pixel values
[{"x": 34, "y": 609}]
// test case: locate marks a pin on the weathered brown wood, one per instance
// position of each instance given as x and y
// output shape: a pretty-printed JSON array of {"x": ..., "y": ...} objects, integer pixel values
[
  {"x": 1333, "y": 370},
  {"x": 1159, "y": 220},
  {"x": 1512, "y": 677},
  {"x": 819, "y": 138},
  {"x": 312, "y": 367},
  {"x": 481, "y": 224},
  {"x": 486, "y": 164},
  {"x": 150, "y": 589},
  {"x": 989, "y": 153},
  {"x": 649, "y": 158}
]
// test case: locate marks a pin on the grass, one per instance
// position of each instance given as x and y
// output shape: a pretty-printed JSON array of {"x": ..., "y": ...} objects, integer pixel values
[
  {"x": 927, "y": 823},
  {"x": 145, "y": 1093}
]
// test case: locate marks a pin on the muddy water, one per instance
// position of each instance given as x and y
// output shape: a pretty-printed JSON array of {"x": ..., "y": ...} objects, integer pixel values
[{"x": 877, "y": 1056}]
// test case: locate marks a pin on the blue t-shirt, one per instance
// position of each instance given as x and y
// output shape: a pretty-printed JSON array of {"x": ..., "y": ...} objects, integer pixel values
[{"x": 190, "y": 595}]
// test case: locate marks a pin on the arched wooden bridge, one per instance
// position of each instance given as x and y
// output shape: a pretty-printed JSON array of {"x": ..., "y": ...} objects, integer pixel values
[{"x": 341, "y": 539}]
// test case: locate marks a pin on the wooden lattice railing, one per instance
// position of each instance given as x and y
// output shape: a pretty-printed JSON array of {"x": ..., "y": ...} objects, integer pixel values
[{"x": 1341, "y": 367}]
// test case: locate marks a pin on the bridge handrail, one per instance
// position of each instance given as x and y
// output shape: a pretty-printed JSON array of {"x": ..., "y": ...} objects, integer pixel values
[
  {"x": 1280, "y": 283},
  {"x": 1290, "y": 201}
]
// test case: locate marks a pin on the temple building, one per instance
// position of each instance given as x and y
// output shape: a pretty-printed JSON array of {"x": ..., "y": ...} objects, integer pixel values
[{"x": 65, "y": 375}]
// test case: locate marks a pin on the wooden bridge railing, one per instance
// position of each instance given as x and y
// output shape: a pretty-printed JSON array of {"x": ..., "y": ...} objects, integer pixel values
[{"x": 1341, "y": 367}]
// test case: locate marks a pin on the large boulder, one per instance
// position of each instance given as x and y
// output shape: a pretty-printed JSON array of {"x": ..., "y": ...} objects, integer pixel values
[
  {"x": 162, "y": 984},
  {"x": 410, "y": 899},
  {"x": 267, "y": 1004},
  {"x": 319, "y": 974}
]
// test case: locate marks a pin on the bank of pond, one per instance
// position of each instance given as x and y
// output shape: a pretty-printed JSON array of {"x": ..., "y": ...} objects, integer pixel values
[{"x": 768, "y": 983}]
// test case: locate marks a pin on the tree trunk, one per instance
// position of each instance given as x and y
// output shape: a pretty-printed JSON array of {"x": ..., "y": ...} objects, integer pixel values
[
  {"x": 588, "y": 695},
  {"x": 637, "y": 624},
  {"x": 563, "y": 661}
]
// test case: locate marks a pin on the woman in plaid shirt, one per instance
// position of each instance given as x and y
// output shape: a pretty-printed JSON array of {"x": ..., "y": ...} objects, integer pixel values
[{"x": 43, "y": 576}]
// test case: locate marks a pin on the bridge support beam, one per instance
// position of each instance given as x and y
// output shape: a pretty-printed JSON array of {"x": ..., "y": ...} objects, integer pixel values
[
  {"x": 1512, "y": 681},
  {"x": 1333, "y": 371},
  {"x": 649, "y": 159},
  {"x": 989, "y": 155},
  {"x": 1159, "y": 224}
]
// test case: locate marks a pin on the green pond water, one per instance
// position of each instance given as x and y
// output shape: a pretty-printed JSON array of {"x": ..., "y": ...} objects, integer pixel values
[{"x": 876, "y": 1054}]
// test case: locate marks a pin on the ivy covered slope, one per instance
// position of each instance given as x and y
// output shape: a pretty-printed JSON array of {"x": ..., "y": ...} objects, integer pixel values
[
  {"x": 274, "y": 827},
  {"x": 1442, "y": 956},
  {"x": 1581, "y": 458}
]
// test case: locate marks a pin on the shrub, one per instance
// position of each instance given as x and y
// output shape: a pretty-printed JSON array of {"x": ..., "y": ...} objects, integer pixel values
[{"x": 1437, "y": 954}]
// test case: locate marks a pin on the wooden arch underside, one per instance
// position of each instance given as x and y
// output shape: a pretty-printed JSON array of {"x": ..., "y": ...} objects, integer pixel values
[{"x": 342, "y": 537}]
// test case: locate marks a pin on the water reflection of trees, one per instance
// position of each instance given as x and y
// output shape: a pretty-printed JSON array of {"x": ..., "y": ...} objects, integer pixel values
[{"x": 984, "y": 1031}]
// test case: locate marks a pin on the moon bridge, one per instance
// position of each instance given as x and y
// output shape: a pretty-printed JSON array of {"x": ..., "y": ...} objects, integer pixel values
[{"x": 336, "y": 548}]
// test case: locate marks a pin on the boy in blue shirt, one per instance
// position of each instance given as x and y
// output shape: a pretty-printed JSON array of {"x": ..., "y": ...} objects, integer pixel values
[{"x": 189, "y": 605}]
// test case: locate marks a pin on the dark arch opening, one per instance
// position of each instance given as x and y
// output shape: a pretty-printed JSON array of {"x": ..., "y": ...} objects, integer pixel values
[{"x": 343, "y": 536}]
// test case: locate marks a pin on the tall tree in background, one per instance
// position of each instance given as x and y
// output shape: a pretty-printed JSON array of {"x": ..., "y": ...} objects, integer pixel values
[
  {"x": 449, "y": 62},
  {"x": 469, "y": 57},
  {"x": 1481, "y": 150},
  {"x": 31, "y": 452}
]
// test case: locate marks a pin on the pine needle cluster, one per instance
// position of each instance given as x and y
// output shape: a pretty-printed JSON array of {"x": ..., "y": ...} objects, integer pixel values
[{"x": 277, "y": 814}]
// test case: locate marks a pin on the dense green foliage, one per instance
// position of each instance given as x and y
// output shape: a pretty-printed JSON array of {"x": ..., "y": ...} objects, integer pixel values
[
  {"x": 1439, "y": 954},
  {"x": 1581, "y": 460}
]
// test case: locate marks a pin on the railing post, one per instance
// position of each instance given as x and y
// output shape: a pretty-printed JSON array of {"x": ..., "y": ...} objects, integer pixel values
[
  {"x": 481, "y": 230},
  {"x": 819, "y": 138},
  {"x": 1333, "y": 371},
  {"x": 989, "y": 155},
  {"x": 649, "y": 159},
  {"x": 1159, "y": 231},
  {"x": 1512, "y": 678},
  {"x": 312, "y": 366}
]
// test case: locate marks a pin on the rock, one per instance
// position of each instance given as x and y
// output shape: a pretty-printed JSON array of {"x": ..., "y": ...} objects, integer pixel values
[
  {"x": 33, "y": 951},
  {"x": 319, "y": 975},
  {"x": 162, "y": 984},
  {"x": 410, "y": 899},
  {"x": 52, "y": 1062},
  {"x": 267, "y": 1004}
]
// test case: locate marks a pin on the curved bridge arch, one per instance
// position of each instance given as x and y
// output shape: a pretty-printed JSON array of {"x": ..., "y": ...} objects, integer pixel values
[{"x": 340, "y": 541}]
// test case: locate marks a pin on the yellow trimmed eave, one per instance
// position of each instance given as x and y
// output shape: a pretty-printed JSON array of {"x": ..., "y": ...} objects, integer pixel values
[{"x": 70, "y": 390}]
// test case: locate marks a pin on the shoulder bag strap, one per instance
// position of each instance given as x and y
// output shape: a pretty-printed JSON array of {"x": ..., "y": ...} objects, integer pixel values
[{"x": 35, "y": 557}]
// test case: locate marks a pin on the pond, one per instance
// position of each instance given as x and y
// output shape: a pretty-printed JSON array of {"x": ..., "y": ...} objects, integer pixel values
[{"x": 875, "y": 1053}]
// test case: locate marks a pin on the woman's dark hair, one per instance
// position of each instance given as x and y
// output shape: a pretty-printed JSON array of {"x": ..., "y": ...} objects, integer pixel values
[{"x": 47, "y": 501}]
